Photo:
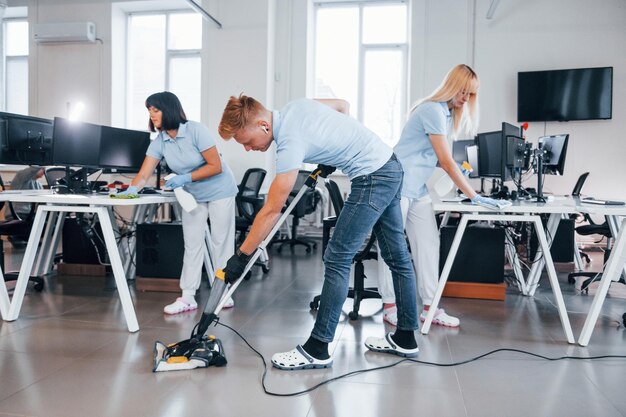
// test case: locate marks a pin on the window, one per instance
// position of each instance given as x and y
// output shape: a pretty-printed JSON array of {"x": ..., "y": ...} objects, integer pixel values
[
  {"x": 163, "y": 54},
  {"x": 15, "y": 97},
  {"x": 361, "y": 56}
]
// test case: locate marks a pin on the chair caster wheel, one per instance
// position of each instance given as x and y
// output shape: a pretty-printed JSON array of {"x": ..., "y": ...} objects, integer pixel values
[
  {"x": 353, "y": 315},
  {"x": 248, "y": 276},
  {"x": 571, "y": 280},
  {"x": 38, "y": 286},
  {"x": 265, "y": 268},
  {"x": 315, "y": 246},
  {"x": 313, "y": 305},
  {"x": 308, "y": 249},
  {"x": 624, "y": 319}
]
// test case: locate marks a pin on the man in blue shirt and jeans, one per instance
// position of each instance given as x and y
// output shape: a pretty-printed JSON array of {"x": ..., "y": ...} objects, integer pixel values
[{"x": 321, "y": 132}]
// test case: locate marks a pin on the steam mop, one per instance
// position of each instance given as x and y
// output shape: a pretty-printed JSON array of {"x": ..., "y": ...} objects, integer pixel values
[{"x": 200, "y": 350}]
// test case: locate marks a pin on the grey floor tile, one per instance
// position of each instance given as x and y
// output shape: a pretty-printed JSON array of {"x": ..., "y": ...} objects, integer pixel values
[
  {"x": 365, "y": 400},
  {"x": 20, "y": 370},
  {"x": 70, "y": 351}
]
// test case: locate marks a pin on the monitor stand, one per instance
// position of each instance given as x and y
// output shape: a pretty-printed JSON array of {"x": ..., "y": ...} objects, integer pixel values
[
  {"x": 539, "y": 153},
  {"x": 77, "y": 182}
]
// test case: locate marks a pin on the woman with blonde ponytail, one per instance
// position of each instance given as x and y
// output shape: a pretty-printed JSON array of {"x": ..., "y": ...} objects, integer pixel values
[{"x": 451, "y": 110}]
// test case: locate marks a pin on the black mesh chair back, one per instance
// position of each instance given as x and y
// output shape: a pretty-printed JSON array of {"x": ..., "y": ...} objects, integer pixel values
[
  {"x": 335, "y": 195},
  {"x": 306, "y": 205},
  {"x": 579, "y": 184},
  {"x": 247, "y": 198}
]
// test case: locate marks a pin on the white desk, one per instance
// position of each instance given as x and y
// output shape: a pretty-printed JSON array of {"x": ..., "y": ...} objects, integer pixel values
[
  {"x": 519, "y": 212},
  {"x": 50, "y": 205}
]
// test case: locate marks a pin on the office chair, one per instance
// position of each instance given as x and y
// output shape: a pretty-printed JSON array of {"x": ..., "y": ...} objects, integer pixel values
[
  {"x": 306, "y": 205},
  {"x": 592, "y": 228},
  {"x": 17, "y": 226},
  {"x": 576, "y": 193},
  {"x": 248, "y": 201},
  {"x": 55, "y": 176},
  {"x": 358, "y": 292},
  {"x": 248, "y": 204}
]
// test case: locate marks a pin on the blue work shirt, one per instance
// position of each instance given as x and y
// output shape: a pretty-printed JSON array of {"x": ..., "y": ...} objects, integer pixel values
[
  {"x": 308, "y": 131},
  {"x": 184, "y": 155},
  {"x": 415, "y": 150}
]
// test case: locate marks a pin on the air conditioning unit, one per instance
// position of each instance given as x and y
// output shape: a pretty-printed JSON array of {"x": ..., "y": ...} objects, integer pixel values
[{"x": 65, "y": 32}]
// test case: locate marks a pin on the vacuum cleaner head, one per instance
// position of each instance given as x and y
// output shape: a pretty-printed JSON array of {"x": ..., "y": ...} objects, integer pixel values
[{"x": 189, "y": 354}]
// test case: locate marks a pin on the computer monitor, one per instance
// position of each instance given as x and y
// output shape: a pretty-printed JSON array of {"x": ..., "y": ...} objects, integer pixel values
[
  {"x": 554, "y": 151},
  {"x": 459, "y": 147},
  {"x": 500, "y": 152},
  {"x": 122, "y": 150},
  {"x": 472, "y": 159},
  {"x": 25, "y": 140},
  {"x": 490, "y": 154},
  {"x": 76, "y": 143},
  {"x": 514, "y": 156}
]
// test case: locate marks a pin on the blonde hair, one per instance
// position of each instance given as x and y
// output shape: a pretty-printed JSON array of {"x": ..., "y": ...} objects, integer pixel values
[
  {"x": 460, "y": 78},
  {"x": 238, "y": 113}
]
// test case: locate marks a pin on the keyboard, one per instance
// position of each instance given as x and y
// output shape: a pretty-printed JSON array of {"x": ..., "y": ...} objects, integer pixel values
[{"x": 591, "y": 200}]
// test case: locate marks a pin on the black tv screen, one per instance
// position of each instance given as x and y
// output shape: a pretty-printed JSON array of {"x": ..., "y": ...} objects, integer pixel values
[{"x": 563, "y": 95}]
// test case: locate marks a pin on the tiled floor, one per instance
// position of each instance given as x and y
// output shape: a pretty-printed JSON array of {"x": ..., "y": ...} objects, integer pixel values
[{"x": 69, "y": 354}]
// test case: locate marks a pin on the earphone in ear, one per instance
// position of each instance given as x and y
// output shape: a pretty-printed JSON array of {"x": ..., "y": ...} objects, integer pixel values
[{"x": 265, "y": 129}]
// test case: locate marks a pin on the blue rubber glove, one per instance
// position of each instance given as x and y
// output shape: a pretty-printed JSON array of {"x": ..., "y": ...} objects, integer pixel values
[
  {"x": 178, "y": 181},
  {"x": 490, "y": 203},
  {"x": 130, "y": 192}
]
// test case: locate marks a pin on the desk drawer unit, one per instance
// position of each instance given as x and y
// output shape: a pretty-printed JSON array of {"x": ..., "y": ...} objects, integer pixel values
[
  {"x": 160, "y": 250},
  {"x": 480, "y": 257}
]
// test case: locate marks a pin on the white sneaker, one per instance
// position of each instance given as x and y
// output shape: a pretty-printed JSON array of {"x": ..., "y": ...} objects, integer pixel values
[
  {"x": 179, "y": 306},
  {"x": 230, "y": 303},
  {"x": 441, "y": 318},
  {"x": 390, "y": 315}
]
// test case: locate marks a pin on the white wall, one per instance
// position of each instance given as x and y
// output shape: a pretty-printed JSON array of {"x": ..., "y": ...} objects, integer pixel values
[
  {"x": 237, "y": 59},
  {"x": 262, "y": 51},
  {"x": 69, "y": 73},
  {"x": 539, "y": 35}
]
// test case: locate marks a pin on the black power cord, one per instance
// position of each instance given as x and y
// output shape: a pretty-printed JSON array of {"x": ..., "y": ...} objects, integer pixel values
[{"x": 378, "y": 368}]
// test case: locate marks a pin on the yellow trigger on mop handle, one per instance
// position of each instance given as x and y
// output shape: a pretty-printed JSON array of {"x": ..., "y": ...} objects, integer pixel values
[{"x": 220, "y": 274}]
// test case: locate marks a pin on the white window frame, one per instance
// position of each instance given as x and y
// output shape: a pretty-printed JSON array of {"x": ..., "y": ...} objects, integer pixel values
[
  {"x": 364, "y": 48},
  {"x": 6, "y": 59},
  {"x": 169, "y": 53}
]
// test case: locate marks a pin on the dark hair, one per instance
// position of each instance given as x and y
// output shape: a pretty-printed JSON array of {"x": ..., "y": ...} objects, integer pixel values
[{"x": 172, "y": 110}]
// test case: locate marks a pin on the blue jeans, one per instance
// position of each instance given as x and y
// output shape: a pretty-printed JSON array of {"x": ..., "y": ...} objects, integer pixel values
[{"x": 373, "y": 203}]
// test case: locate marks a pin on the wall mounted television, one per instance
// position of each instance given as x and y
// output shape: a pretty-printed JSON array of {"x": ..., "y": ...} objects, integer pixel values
[{"x": 564, "y": 95}]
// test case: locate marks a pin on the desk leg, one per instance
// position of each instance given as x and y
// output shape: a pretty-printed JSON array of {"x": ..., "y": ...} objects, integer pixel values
[
  {"x": 118, "y": 269},
  {"x": 444, "y": 274},
  {"x": 614, "y": 226},
  {"x": 209, "y": 263},
  {"x": 612, "y": 271},
  {"x": 52, "y": 233},
  {"x": 517, "y": 268},
  {"x": 554, "y": 282},
  {"x": 27, "y": 265},
  {"x": 445, "y": 219},
  {"x": 5, "y": 303},
  {"x": 532, "y": 282}
]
